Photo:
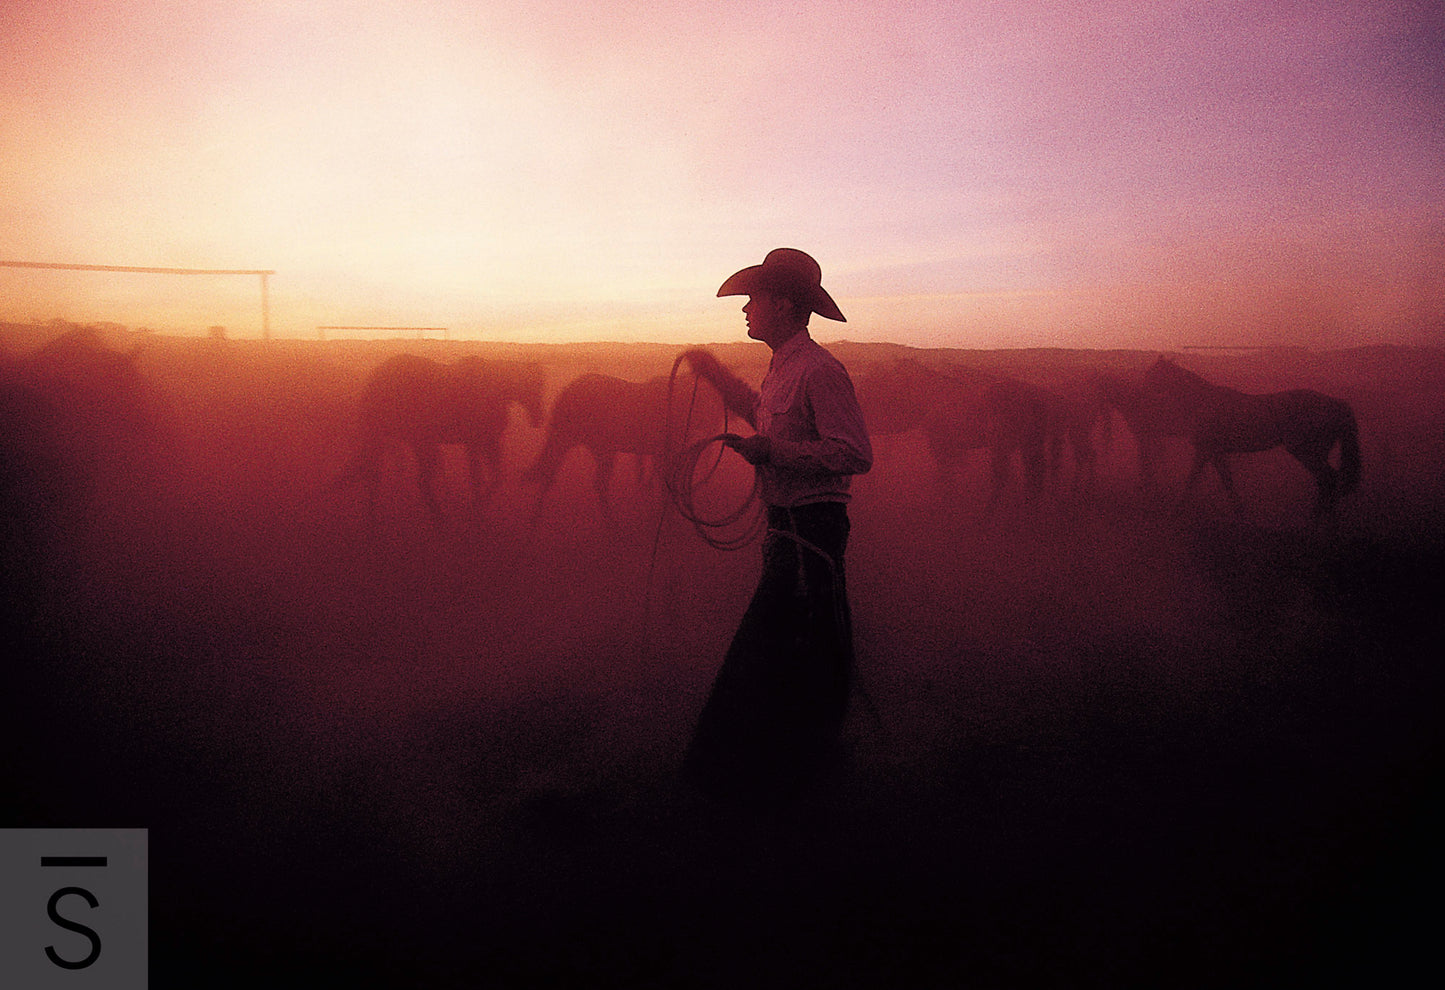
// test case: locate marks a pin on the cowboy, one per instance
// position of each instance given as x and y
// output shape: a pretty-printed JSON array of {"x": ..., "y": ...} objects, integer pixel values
[{"x": 776, "y": 710}]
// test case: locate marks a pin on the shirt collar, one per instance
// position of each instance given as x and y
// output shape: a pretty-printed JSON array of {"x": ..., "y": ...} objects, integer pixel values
[{"x": 790, "y": 347}]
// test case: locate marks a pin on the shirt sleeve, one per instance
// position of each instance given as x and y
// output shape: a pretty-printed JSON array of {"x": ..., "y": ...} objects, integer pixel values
[{"x": 841, "y": 443}]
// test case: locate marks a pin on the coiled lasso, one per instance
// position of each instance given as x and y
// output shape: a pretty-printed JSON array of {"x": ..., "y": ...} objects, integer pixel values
[{"x": 680, "y": 477}]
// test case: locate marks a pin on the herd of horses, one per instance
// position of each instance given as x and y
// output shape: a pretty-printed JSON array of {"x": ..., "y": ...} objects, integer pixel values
[
  {"x": 1024, "y": 428},
  {"x": 422, "y": 404},
  {"x": 961, "y": 410},
  {"x": 76, "y": 395}
]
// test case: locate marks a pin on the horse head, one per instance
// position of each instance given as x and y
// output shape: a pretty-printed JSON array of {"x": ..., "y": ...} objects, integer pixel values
[{"x": 1165, "y": 373}]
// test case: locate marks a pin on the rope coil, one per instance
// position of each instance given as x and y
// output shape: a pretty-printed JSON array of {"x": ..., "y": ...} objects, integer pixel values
[
  {"x": 680, "y": 477},
  {"x": 683, "y": 485}
]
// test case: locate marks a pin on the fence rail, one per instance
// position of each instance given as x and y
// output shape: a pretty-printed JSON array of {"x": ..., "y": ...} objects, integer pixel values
[
  {"x": 321, "y": 331},
  {"x": 264, "y": 273}
]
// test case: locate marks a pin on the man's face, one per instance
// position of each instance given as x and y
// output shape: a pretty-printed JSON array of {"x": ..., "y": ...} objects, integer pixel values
[{"x": 769, "y": 318}]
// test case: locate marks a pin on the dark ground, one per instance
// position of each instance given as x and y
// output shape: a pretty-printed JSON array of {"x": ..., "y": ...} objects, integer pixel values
[{"x": 1106, "y": 741}]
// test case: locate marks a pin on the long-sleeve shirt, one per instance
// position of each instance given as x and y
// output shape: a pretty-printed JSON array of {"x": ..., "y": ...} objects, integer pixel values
[{"x": 809, "y": 413}]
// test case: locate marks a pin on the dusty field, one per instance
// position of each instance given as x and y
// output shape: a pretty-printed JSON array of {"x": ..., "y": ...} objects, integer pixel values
[{"x": 1106, "y": 740}]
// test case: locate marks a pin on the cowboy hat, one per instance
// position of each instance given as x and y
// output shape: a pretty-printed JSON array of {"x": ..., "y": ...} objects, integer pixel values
[{"x": 786, "y": 272}]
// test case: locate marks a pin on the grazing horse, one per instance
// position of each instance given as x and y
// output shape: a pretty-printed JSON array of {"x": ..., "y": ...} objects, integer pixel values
[
  {"x": 1148, "y": 425},
  {"x": 608, "y": 416},
  {"x": 1220, "y": 421},
  {"x": 425, "y": 404},
  {"x": 1073, "y": 416},
  {"x": 962, "y": 411}
]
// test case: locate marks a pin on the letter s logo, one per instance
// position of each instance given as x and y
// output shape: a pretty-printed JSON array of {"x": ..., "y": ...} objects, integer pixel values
[{"x": 73, "y": 926}]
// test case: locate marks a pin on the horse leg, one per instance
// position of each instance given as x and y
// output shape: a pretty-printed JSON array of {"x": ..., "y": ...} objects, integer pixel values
[
  {"x": 1035, "y": 464},
  {"x": 1201, "y": 459},
  {"x": 606, "y": 464},
  {"x": 1085, "y": 464},
  {"x": 544, "y": 470},
  {"x": 999, "y": 470},
  {"x": 428, "y": 460},
  {"x": 940, "y": 465},
  {"x": 474, "y": 472},
  {"x": 537, "y": 506},
  {"x": 371, "y": 479},
  {"x": 1102, "y": 453},
  {"x": 1054, "y": 461},
  {"x": 649, "y": 476},
  {"x": 365, "y": 469},
  {"x": 481, "y": 456},
  {"x": 1327, "y": 483},
  {"x": 1327, "y": 479},
  {"x": 1226, "y": 478},
  {"x": 1147, "y": 448}
]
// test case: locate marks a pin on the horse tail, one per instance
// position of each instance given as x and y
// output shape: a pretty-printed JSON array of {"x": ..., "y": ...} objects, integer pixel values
[{"x": 1350, "y": 451}]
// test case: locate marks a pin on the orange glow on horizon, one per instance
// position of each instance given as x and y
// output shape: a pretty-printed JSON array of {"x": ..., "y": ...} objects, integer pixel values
[{"x": 964, "y": 174}]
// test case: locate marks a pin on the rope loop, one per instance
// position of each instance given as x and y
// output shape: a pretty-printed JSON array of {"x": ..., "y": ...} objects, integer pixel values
[
  {"x": 680, "y": 477},
  {"x": 683, "y": 486}
]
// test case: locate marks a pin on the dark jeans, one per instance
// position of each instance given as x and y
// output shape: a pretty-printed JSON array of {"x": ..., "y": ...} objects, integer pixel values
[{"x": 778, "y": 704}]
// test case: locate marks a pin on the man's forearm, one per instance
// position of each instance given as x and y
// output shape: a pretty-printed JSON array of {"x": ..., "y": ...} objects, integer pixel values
[{"x": 736, "y": 394}]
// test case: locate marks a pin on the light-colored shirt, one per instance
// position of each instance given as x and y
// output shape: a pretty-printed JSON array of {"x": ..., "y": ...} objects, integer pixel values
[{"x": 808, "y": 411}]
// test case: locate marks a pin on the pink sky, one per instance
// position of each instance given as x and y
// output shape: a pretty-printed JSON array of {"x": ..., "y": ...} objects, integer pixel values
[{"x": 968, "y": 174}]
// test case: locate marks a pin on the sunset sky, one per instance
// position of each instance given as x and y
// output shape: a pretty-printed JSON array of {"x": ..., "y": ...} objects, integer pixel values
[{"x": 968, "y": 173}]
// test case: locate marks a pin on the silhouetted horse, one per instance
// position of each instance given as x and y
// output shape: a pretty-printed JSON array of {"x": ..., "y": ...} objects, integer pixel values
[
  {"x": 36, "y": 470},
  {"x": 1075, "y": 417},
  {"x": 424, "y": 404},
  {"x": 1149, "y": 426},
  {"x": 108, "y": 400},
  {"x": 608, "y": 416},
  {"x": 75, "y": 416},
  {"x": 962, "y": 411},
  {"x": 895, "y": 397},
  {"x": 104, "y": 411},
  {"x": 1219, "y": 421}
]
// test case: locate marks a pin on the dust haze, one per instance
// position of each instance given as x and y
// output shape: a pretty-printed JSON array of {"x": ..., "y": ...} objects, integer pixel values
[{"x": 1102, "y": 735}]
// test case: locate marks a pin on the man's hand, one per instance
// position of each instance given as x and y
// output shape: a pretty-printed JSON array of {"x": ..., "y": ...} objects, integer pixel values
[
  {"x": 706, "y": 365},
  {"x": 735, "y": 393},
  {"x": 755, "y": 449}
]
